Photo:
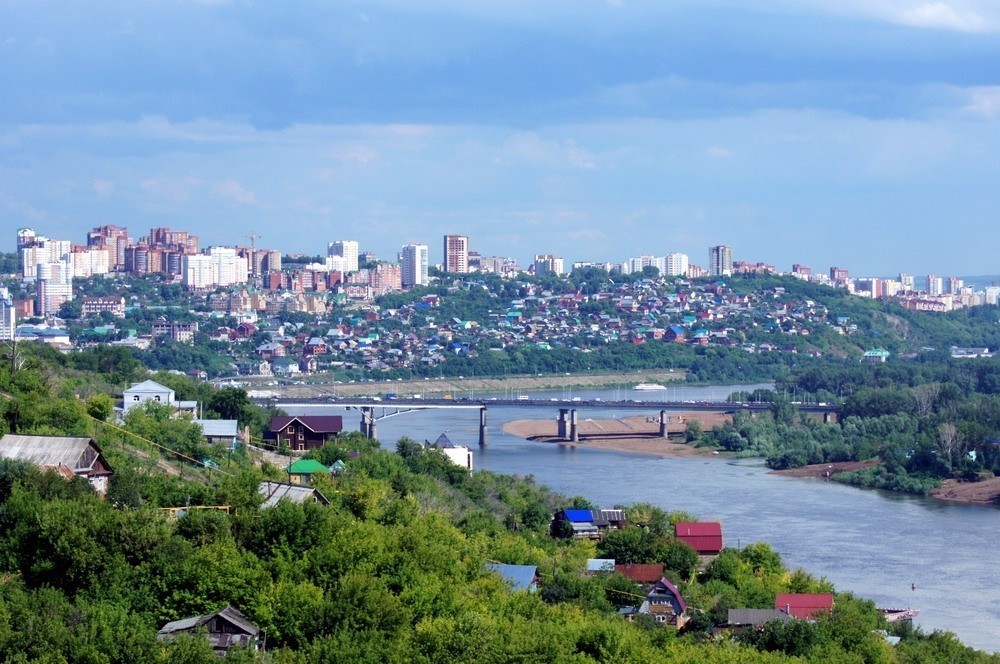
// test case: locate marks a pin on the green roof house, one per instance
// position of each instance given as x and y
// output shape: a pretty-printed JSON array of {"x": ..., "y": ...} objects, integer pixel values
[{"x": 301, "y": 472}]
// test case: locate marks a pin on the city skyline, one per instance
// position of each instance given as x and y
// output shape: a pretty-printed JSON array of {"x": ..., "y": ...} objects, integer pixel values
[{"x": 854, "y": 133}]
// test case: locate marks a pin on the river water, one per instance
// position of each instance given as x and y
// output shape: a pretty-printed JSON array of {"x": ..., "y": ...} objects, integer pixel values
[{"x": 872, "y": 543}]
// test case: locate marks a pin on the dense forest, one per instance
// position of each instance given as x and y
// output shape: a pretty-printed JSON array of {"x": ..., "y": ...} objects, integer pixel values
[{"x": 392, "y": 570}]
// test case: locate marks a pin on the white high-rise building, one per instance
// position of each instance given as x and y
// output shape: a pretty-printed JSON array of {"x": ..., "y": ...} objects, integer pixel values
[
  {"x": 230, "y": 267},
  {"x": 198, "y": 272},
  {"x": 548, "y": 264},
  {"x": 677, "y": 264},
  {"x": 90, "y": 262},
  {"x": 8, "y": 315},
  {"x": 414, "y": 261},
  {"x": 54, "y": 284},
  {"x": 720, "y": 261},
  {"x": 346, "y": 249},
  {"x": 37, "y": 250}
]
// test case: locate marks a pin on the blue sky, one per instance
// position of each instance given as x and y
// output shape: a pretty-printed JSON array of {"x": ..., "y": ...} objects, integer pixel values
[{"x": 859, "y": 133}]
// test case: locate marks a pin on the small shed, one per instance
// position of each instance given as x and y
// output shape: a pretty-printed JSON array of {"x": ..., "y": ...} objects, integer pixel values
[
  {"x": 275, "y": 492},
  {"x": 520, "y": 577}
]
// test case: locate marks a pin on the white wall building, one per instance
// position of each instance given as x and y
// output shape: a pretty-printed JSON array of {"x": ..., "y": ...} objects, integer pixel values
[
  {"x": 677, "y": 264},
  {"x": 43, "y": 250},
  {"x": 91, "y": 262},
  {"x": 231, "y": 268},
  {"x": 198, "y": 272},
  {"x": 346, "y": 249},
  {"x": 54, "y": 284},
  {"x": 8, "y": 315},
  {"x": 414, "y": 260}
]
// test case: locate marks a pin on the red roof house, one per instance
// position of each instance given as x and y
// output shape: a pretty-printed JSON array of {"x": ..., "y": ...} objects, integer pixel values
[
  {"x": 804, "y": 606},
  {"x": 641, "y": 572},
  {"x": 704, "y": 537}
]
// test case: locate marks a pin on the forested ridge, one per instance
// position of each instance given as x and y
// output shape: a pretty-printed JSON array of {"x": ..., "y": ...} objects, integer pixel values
[{"x": 392, "y": 570}]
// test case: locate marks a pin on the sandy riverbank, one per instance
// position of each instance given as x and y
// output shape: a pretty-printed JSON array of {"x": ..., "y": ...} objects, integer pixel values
[
  {"x": 630, "y": 434},
  {"x": 640, "y": 435},
  {"x": 986, "y": 492}
]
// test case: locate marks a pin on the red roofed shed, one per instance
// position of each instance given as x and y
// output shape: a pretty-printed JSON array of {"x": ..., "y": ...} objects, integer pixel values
[
  {"x": 804, "y": 606},
  {"x": 705, "y": 537}
]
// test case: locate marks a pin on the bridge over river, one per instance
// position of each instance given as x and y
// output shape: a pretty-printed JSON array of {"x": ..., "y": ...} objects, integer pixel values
[{"x": 373, "y": 409}]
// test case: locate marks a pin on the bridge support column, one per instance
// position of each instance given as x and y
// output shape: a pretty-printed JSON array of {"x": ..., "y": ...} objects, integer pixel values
[
  {"x": 663, "y": 424},
  {"x": 561, "y": 430},
  {"x": 574, "y": 434},
  {"x": 829, "y": 418},
  {"x": 482, "y": 427},
  {"x": 368, "y": 421}
]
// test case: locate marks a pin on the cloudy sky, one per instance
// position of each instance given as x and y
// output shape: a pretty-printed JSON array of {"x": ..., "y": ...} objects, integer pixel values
[{"x": 858, "y": 133}]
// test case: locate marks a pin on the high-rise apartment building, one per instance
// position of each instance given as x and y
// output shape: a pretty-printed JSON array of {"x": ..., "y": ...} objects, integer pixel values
[
  {"x": 8, "y": 315},
  {"x": 839, "y": 274},
  {"x": 548, "y": 264},
  {"x": 456, "y": 254},
  {"x": 720, "y": 261},
  {"x": 677, "y": 264},
  {"x": 37, "y": 250},
  {"x": 114, "y": 239},
  {"x": 54, "y": 286},
  {"x": 346, "y": 249},
  {"x": 413, "y": 260}
]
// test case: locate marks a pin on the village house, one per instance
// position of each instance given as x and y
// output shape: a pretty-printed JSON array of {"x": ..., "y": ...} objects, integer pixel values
[
  {"x": 304, "y": 432},
  {"x": 224, "y": 629},
  {"x": 69, "y": 457},
  {"x": 703, "y": 537},
  {"x": 804, "y": 606},
  {"x": 274, "y": 492},
  {"x": 151, "y": 391}
]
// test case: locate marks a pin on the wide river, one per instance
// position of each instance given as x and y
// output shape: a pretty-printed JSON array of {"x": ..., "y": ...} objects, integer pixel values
[{"x": 872, "y": 543}]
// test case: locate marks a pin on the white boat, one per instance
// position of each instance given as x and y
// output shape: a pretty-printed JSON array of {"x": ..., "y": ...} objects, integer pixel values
[{"x": 649, "y": 386}]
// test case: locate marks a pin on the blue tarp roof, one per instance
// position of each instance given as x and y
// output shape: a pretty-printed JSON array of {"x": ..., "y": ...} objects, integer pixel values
[
  {"x": 520, "y": 577},
  {"x": 579, "y": 515}
]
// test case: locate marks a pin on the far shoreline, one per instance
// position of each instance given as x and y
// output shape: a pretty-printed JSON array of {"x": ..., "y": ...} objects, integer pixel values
[{"x": 640, "y": 435}]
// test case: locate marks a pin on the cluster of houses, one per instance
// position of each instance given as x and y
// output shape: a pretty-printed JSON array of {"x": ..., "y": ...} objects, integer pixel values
[{"x": 366, "y": 337}]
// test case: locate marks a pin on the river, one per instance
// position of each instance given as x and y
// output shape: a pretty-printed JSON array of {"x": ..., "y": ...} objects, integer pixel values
[{"x": 872, "y": 543}]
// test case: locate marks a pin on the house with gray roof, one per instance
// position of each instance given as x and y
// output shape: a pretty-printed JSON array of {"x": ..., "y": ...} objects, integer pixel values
[
  {"x": 275, "y": 492},
  {"x": 70, "y": 457},
  {"x": 219, "y": 431},
  {"x": 149, "y": 390},
  {"x": 224, "y": 629}
]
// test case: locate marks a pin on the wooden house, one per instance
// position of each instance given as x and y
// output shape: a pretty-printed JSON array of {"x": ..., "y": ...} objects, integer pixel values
[
  {"x": 70, "y": 457},
  {"x": 704, "y": 537},
  {"x": 304, "y": 432},
  {"x": 224, "y": 629}
]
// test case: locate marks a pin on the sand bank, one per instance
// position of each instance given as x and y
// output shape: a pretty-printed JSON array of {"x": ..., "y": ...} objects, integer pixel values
[{"x": 630, "y": 434}]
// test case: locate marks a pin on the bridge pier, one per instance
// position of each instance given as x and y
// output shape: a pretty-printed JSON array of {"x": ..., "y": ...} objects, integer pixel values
[
  {"x": 368, "y": 421},
  {"x": 561, "y": 430},
  {"x": 482, "y": 427},
  {"x": 829, "y": 417},
  {"x": 663, "y": 424},
  {"x": 574, "y": 433}
]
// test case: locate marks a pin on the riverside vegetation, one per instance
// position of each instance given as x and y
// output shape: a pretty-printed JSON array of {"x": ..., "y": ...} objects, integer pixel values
[{"x": 392, "y": 570}]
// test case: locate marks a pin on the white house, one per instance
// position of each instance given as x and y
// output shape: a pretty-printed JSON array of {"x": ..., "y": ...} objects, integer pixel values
[{"x": 150, "y": 390}]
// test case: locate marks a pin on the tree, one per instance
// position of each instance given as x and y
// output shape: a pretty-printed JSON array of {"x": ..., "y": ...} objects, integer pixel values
[{"x": 100, "y": 407}]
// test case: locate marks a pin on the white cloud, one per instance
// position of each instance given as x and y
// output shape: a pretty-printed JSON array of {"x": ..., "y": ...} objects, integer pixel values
[
  {"x": 232, "y": 190},
  {"x": 530, "y": 148},
  {"x": 103, "y": 188},
  {"x": 984, "y": 102},
  {"x": 956, "y": 15},
  {"x": 719, "y": 153}
]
